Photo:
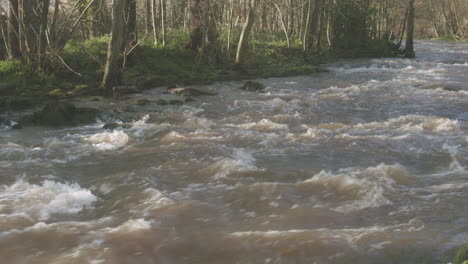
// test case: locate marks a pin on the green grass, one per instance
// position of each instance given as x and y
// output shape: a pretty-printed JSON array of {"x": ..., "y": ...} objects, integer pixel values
[
  {"x": 461, "y": 256},
  {"x": 268, "y": 56},
  {"x": 29, "y": 81}
]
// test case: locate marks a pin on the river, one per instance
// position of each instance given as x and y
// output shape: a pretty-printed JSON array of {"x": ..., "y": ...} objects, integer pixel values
[{"x": 366, "y": 163}]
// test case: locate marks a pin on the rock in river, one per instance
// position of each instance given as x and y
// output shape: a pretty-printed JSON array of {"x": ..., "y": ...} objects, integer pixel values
[
  {"x": 188, "y": 92},
  {"x": 58, "y": 113},
  {"x": 252, "y": 86}
]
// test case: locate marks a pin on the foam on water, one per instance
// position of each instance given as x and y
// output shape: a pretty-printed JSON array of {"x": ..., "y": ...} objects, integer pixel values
[
  {"x": 131, "y": 226},
  {"x": 108, "y": 140},
  {"x": 42, "y": 201},
  {"x": 352, "y": 189},
  {"x": 240, "y": 161},
  {"x": 264, "y": 125}
]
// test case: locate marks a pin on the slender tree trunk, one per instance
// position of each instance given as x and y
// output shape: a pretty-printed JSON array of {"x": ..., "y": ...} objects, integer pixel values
[
  {"x": 112, "y": 72},
  {"x": 409, "y": 49},
  {"x": 163, "y": 21},
  {"x": 42, "y": 45},
  {"x": 53, "y": 26},
  {"x": 196, "y": 36},
  {"x": 13, "y": 48},
  {"x": 153, "y": 19},
  {"x": 148, "y": 17},
  {"x": 284, "y": 26},
  {"x": 131, "y": 37},
  {"x": 245, "y": 33}
]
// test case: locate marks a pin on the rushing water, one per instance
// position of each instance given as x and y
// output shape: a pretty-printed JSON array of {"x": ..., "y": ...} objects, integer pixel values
[{"x": 364, "y": 164}]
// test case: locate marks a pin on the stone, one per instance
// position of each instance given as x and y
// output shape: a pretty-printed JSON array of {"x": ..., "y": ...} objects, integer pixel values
[
  {"x": 17, "y": 126},
  {"x": 111, "y": 126},
  {"x": 142, "y": 102},
  {"x": 162, "y": 102},
  {"x": 118, "y": 91},
  {"x": 440, "y": 86},
  {"x": 189, "y": 92},
  {"x": 252, "y": 86},
  {"x": 58, "y": 113},
  {"x": 176, "y": 102}
]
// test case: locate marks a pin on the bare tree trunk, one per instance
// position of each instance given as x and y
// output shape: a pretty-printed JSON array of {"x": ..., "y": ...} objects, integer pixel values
[
  {"x": 284, "y": 26},
  {"x": 42, "y": 45},
  {"x": 148, "y": 17},
  {"x": 13, "y": 47},
  {"x": 409, "y": 49},
  {"x": 163, "y": 21},
  {"x": 53, "y": 26},
  {"x": 245, "y": 33},
  {"x": 196, "y": 36},
  {"x": 153, "y": 19},
  {"x": 131, "y": 36},
  {"x": 112, "y": 71}
]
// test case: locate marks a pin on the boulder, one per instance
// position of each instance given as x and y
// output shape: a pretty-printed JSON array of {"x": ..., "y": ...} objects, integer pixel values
[
  {"x": 440, "y": 86},
  {"x": 112, "y": 126},
  {"x": 189, "y": 92},
  {"x": 118, "y": 91},
  {"x": 176, "y": 102},
  {"x": 252, "y": 86},
  {"x": 162, "y": 102},
  {"x": 17, "y": 126},
  {"x": 58, "y": 113},
  {"x": 142, "y": 102}
]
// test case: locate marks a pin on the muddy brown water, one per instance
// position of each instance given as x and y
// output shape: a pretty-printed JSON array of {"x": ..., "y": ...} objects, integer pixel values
[{"x": 364, "y": 164}]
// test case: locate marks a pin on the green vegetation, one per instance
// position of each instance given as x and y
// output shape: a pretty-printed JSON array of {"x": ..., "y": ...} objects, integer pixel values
[
  {"x": 461, "y": 256},
  {"x": 28, "y": 80},
  {"x": 171, "y": 64}
]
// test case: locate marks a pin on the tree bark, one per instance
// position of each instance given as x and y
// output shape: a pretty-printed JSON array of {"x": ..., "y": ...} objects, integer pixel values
[
  {"x": 241, "y": 48},
  {"x": 112, "y": 71},
  {"x": 196, "y": 36},
  {"x": 14, "y": 50},
  {"x": 409, "y": 49}
]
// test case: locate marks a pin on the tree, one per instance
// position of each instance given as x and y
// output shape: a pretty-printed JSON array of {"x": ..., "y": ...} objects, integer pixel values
[
  {"x": 112, "y": 69},
  {"x": 409, "y": 49},
  {"x": 249, "y": 21},
  {"x": 13, "y": 47}
]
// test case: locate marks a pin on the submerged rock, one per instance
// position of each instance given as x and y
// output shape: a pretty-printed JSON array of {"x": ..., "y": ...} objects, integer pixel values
[
  {"x": 17, "y": 126},
  {"x": 112, "y": 126},
  {"x": 176, "y": 102},
  {"x": 440, "y": 86},
  {"x": 189, "y": 92},
  {"x": 142, "y": 101},
  {"x": 58, "y": 113},
  {"x": 252, "y": 86},
  {"x": 118, "y": 91},
  {"x": 162, "y": 102}
]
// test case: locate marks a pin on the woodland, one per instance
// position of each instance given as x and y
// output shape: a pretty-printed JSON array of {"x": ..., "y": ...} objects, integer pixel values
[{"x": 73, "y": 47}]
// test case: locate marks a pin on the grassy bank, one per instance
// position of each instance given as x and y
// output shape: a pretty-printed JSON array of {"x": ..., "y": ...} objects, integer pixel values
[{"x": 80, "y": 68}]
